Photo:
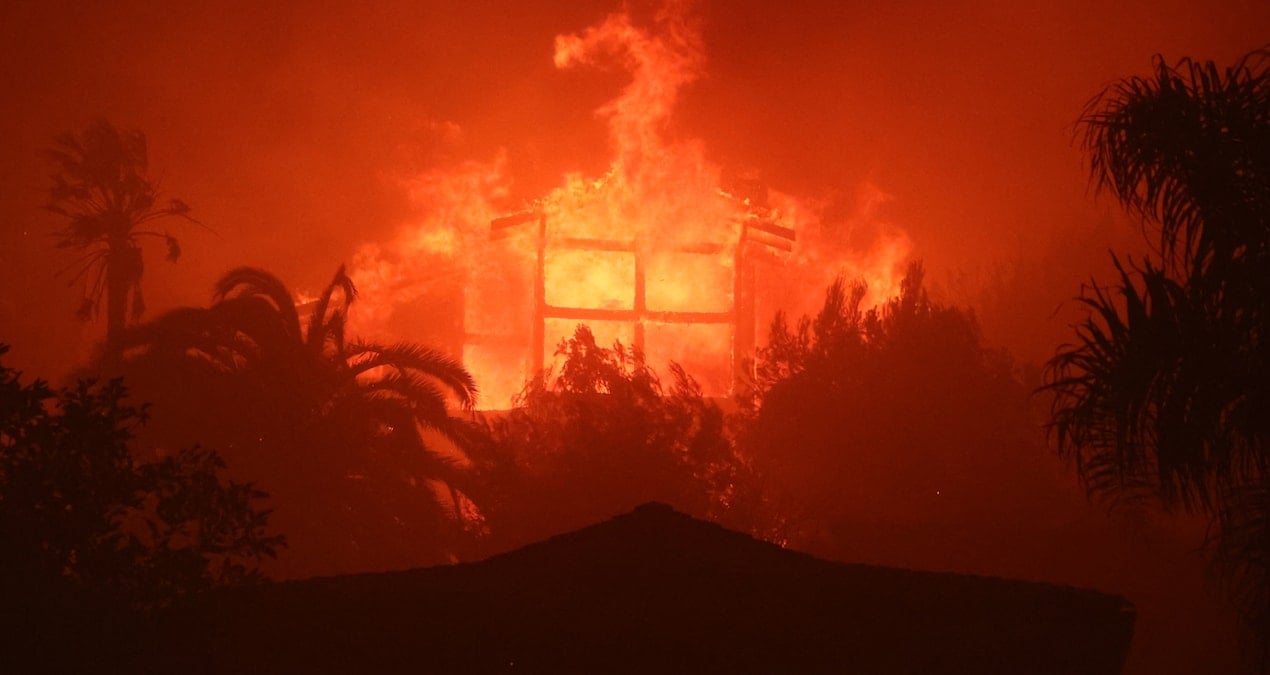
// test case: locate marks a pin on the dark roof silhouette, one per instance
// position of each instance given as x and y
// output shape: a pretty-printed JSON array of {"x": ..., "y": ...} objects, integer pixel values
[{"x": 653, "y": 591}]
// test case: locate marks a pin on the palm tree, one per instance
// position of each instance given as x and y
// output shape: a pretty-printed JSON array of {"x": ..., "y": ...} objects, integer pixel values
[
  {"x": 347, "y": 435},
  {"x": 1187, "y": 150},
  {"x": 101, "y": 188},
  {"x": 1165, "y": 393}
]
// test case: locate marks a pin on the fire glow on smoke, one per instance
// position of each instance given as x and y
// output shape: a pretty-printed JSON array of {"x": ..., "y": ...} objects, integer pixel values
[{"x": 448, "y": 283}]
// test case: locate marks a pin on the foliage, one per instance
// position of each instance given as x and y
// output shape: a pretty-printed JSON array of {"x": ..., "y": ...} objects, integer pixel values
[
  {"x": 335, "y": 428},
  {"x": 76, "y": 506},
  {"x": 897, "y": 414},
  {"x": 1186, "y": 150},
  {"x": 100, "y": 187},
  {"x": 601, "y": 437},
  {"x": 1165, "y": 393}
]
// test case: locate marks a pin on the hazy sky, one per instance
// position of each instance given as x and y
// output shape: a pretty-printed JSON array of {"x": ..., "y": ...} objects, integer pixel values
[{"x": 291, "y": 130}]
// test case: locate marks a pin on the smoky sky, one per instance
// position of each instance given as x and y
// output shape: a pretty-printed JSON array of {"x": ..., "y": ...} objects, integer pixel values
[{"x": 293, "y": 129}]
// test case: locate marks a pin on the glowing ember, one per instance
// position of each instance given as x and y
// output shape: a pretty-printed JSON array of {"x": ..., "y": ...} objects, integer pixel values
[{"x": 653, "y": 253}]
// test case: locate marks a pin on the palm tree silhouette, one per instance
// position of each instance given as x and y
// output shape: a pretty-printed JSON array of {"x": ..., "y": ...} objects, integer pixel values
[
  {"x": 347, "y": 435},
  {"x": 1165, "y": 393},
  {"x": 101, "y": 188}
]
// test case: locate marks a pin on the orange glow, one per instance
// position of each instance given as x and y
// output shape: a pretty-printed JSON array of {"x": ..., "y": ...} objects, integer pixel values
[
  {"x": 686, "y": 282},
  {"x": 646, "y": 254},
  {"x": 590, "y": 279},
  {"x": 606, "y": 333},
  {"x": 695, "y": 347}
]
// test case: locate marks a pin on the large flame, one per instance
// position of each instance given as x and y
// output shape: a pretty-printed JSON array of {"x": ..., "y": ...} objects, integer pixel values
[{"x": 657, "y": 235}]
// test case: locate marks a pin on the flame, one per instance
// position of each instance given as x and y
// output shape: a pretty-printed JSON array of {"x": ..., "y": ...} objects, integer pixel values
[
  {"x": 655, "y": 234},
  {"x": 590, "y": 279},
  {"x": 685, "y": 282},
  {"x": 661, "y": 64},
  {"x": 828, "y": 250}
]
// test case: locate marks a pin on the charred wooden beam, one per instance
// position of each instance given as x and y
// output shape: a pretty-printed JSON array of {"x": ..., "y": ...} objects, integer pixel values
[
  {"x": 538, "y": 340},
  {"x": 641, "y": 297},
  {"x": 708, "y": 248},
  {"x": 765, "y": 225},
  {"x": 773, "y": 241},
  {"x": 743, "y": 330},
  {"x": 767, "y": 233},
  {"x": 588, "y": 244},
  {"x": 503, "y": 226},
  {"x": 631, "y": 316}
]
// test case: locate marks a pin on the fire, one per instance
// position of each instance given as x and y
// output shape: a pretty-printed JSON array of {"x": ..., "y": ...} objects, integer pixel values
[
  {"x": 659, "y": 252},
  {"x": 661, "y": 64}
]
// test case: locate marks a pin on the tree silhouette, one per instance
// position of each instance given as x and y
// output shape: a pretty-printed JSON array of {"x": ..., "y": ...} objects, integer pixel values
[
  {"x": 600, "y": 437},
  {"x": 101, "y": 188},
  {"x": 92, "y": 538},
  {"x": 355, "y": 439},
  {"x": 882, "y": 432},
  {"x": 1165, "y": 393}
]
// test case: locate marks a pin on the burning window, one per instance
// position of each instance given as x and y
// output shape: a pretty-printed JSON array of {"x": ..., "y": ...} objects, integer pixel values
[{"x": 687, "y": 297}]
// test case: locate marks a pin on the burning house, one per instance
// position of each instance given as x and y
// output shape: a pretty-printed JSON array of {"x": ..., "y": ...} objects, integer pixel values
[
  {"x": 687, "y": 287},
  {"x": 664, "y": 252}
]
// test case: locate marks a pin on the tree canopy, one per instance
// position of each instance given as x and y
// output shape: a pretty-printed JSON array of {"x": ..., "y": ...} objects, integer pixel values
[
  {"x": 866, "y": 422},
  {"x": 76, "y": 505},
  {"x": 600, "y": 437}
]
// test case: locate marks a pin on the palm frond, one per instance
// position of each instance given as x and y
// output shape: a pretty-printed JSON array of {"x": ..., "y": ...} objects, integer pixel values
[
  {"x": 1187, "y": 149},
  {"x": 404, "y": 357},
  {"x": 424, "y": 401},
  {"x": 253, "y": 281},
  {"x": 1162, "y": 395},
  {"x": 1117, "y": 402},
  {"x": 1241, "y": 543},
  {"x": 178, "y": 332},
  {"x": 324, "y": 329},
  {"x": 258, "y": 320}
]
